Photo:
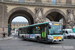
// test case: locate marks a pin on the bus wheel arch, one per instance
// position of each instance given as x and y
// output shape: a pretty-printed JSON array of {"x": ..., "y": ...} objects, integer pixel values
[
  {"x": 22, "y": 37},
  {"x": 38, "y": 39}
]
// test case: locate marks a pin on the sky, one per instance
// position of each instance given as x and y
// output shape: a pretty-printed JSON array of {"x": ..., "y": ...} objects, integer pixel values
[{"x": 20, "y": 19}]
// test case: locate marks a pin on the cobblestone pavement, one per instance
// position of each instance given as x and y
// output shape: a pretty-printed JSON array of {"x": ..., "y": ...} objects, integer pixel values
[{"x": 18, "y": 44}]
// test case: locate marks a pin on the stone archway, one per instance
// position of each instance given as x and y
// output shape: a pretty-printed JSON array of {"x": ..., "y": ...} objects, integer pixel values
[
  {"x": 19, "y": 11},
  {"x": 56, "y": 15}
]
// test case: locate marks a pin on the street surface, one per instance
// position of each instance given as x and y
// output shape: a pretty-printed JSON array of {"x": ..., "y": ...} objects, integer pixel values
[{"x": 18, "y": 44}]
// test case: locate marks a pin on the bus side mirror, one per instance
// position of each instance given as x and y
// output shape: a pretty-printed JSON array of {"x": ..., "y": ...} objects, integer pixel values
[{"x": 49, "y": 26}]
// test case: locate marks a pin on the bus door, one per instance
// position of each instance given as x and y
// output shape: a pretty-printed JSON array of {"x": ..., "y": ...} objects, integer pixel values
[{"x": 44, "y": 33}]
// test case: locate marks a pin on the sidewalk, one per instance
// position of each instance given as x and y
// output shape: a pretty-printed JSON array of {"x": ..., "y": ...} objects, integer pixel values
[{"x": 6, "y": 38}]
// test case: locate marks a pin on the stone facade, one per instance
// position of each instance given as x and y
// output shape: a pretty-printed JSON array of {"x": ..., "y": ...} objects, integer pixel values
[
  {"x": 3, "y": 12},
  {"x": 37, "y": 12},
  {"x": 68, "y": 1}
]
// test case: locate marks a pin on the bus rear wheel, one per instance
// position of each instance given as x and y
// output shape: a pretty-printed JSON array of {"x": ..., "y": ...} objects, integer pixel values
[
  {"x": 23, "y": 37},
  {"x": 38, "y": 40}
]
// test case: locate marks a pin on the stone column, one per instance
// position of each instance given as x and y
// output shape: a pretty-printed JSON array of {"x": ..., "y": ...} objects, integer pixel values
[
  {"x": 3, "y": 16},
  {"x": 39, "y": 15},
  {"x": 70, "y": 19}
]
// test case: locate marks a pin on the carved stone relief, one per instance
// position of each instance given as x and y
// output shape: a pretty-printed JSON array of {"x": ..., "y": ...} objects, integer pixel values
[
  {"x": 70, "y": 19},
  {"x": 39, "y": 15}
]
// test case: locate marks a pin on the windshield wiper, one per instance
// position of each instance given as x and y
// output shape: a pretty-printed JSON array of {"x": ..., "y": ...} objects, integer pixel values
[{"x": 56, "y": 33}]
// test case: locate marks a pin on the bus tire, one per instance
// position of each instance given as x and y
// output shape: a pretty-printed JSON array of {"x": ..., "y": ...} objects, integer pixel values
[
  {"x": 46, "y": 42},
  {"x": 38, "y": 39},
  {"x": 74, "y": 37},
  {"x": 68, "y": 37},
  {"x": 23, "y": 37}
]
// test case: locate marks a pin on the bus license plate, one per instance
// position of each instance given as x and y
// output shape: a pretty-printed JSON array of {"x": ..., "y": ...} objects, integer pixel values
[{"x": 56, "y": 38}]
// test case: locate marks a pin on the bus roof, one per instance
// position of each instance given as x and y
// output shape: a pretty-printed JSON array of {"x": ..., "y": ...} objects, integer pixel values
[
  {"x": 34, "y": 24},
  {"x": 38, "y": 24}
]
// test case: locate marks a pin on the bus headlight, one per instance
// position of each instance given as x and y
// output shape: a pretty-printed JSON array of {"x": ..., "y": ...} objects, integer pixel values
[{"x": 49, "y": 37}]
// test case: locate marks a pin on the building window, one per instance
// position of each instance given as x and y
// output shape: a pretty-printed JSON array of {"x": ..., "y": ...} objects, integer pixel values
[
  {"x": 48, "y": 1},
  {"x": 53, "y": 1},
  {"x": 38, "y": 0},
  {"x": 22, "y": 1},
  {"x": 68, "y": 1}
]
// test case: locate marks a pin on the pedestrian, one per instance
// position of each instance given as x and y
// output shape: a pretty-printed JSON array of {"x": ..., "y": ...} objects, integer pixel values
[{"x": 4, "y": 34}]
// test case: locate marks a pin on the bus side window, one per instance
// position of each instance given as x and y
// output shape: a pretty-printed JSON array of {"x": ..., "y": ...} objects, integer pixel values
[
  {"x": 25, "y": 31},
  {"x": 30, "y": 30},
  {"x": 63, "y": 31},
  {"x": 19, "y": 31},
  {"x": 37, "y": 30},
  {"x": 33, "y": 30}
]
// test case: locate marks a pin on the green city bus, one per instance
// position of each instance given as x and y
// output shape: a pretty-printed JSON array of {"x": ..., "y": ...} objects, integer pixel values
[{"x": 44, "y": 32}]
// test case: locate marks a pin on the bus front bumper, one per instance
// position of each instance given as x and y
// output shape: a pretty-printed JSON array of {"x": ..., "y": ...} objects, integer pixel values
[{"x": 51, "y": 40}]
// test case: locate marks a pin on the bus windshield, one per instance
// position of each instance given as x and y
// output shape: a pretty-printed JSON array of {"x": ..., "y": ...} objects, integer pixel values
[{"x": 55, "y": 29}]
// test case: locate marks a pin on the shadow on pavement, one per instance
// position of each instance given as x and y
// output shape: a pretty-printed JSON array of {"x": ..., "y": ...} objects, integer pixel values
[{"x": 49, "y": 43}]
